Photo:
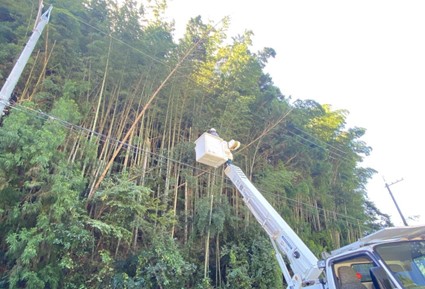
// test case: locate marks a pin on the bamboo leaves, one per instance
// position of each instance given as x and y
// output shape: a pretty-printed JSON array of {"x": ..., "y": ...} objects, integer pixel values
[{"x": 97, "y": 166}]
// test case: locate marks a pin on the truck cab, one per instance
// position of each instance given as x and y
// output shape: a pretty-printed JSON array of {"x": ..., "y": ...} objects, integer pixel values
[{"x": 390, "y": 258}]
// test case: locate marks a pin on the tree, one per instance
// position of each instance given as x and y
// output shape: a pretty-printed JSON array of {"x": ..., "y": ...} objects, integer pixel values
[{"x": 157, "y": 213}]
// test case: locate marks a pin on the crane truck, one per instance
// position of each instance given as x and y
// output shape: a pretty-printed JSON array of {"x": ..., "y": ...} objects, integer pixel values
[{"x": 390, "y": 258}]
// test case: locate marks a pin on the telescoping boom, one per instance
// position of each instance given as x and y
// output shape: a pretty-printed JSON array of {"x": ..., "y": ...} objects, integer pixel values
[
  {"x": 392, "y": 258},
  {"x": 302, "y": 261},
  {"x": 213, "y": 151}
]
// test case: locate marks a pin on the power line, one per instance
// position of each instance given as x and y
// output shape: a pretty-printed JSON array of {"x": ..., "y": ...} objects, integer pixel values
[
  {"x": 326, "y": 144},
  {"x": 129, "y": 146},
  {"x": 104, "y": 138},
  {"x": 340, "y": 153},
  {"x": 295, "y": 135}
]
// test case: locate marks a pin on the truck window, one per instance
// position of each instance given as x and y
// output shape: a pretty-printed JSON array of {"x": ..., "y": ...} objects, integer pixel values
[
  {"x": 420, "y": 262},
  {"x": 406, "y": 260},
  {"x": 363, "y": 271},
  {"x": 354, "y": 272}
]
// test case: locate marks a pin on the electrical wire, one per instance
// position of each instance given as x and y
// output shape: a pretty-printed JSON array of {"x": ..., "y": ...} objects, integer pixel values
[
  {"x": 128, "y": 146},
  {"x": 340, "y": 155},
  {"x": 331, "y": 153},
  {"x": 327, "y": 144},
  {"x": 103, "y": 138},
  {"x": 158, "y": 156}
]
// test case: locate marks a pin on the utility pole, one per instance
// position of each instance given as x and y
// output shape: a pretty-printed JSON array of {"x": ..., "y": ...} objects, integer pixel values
[
  {"x": 391, "y": 194},
  {"x": 16, "y": 72}
]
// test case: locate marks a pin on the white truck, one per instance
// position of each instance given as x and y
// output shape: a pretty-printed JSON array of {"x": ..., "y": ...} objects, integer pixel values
[{"x": 390, "y": 258}]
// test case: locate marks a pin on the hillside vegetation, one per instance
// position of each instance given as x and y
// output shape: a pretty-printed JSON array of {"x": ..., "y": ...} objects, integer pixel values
[{"x": 99, "y": 187}]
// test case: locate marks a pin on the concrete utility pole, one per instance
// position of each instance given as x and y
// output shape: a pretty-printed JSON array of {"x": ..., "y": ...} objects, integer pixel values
[
  {"x": 391, "y": 194},
  {"x": 16, "y": 72}
]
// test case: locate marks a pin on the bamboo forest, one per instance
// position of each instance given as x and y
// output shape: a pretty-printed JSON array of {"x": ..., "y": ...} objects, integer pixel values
[{"x": 99, "y": 186}]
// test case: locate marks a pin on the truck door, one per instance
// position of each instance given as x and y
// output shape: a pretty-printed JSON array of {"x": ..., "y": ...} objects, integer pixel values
[{"x": 359, "y": 272}]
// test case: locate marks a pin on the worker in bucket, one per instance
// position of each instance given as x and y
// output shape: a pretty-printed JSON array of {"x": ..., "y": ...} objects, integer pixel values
[
  {"x": 231, "y": 145},
  {"x": 212, "y": 131}
]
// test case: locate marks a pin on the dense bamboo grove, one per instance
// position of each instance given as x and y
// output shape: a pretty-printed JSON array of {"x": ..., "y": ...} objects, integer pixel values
[{"x": 99, "y": 187}]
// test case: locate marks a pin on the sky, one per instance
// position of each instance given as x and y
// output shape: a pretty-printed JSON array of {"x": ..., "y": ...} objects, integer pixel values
[{"x": 364, "y": 56}]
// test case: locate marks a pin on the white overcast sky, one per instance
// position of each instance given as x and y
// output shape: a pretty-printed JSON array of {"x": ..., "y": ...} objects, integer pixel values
[{"x": 366, "y": 56}]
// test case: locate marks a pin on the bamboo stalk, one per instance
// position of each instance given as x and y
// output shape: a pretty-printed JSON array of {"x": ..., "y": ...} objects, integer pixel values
[
  {"x": 176, "y": 191},
  {"x": 218, "y": 263},
  {"x": 186, "y": 213},
  {"x": 43, "y": 70},
  {"x": 207, "y": 240},
  {"x": 102, "y": 88},
  {"x": 136, "y": 121},
  {"x": 26, "y": 86}
]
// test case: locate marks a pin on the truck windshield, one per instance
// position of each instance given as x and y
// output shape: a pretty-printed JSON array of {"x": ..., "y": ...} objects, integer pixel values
[{"x": 406, "y": 260}]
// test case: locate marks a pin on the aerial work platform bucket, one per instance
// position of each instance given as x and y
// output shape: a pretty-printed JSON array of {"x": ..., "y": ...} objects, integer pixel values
[{"x": 212, "y": 150}]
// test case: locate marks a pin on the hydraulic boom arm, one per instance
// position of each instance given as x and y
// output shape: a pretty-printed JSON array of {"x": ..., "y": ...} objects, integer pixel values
[
  {"x": 214, "y": 151},
  {"x": 302, "y": 261}
]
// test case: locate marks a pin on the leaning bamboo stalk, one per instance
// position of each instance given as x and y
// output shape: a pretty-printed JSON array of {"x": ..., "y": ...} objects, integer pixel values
[{"x": 136, "y": 121}]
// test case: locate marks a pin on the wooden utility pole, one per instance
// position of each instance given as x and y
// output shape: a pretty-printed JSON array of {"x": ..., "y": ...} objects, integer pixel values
[{"x": 395, "y": 203}]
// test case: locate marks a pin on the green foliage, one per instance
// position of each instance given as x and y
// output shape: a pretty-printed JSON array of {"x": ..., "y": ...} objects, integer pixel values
[
  {"x": 148, "y": 222},
  {"x": 210, "y": 220},
  {"x": 264, "y": 270},
  {"x": 163, "y": 266},
  {"x": 42, "y": 251},
  {"x": 251, "y": 267},
  {"x": 238, "y": 267},
  {"x": 30, "y": 144},
  {"x": 120, "y": 206},
  {"x": 277, "y": 180}
]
